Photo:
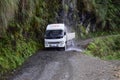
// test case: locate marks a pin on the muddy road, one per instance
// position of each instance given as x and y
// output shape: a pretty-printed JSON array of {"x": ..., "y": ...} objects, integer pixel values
[{"x": 64, "y": 65}]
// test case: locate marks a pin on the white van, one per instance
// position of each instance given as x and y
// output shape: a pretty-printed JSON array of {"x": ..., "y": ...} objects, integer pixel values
[{"x": 56, "y": 36}]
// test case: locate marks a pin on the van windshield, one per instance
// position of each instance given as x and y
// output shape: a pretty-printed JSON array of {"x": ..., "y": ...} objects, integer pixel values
[{"x": 54, "y": 34}]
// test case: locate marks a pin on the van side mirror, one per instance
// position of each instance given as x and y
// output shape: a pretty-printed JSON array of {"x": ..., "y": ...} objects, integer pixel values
[
  {"x": 44, "y": 36},
  {"x": 64, "y": 33}
]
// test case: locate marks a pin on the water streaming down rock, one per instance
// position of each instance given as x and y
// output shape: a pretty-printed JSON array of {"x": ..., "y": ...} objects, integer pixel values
[
  {"x": 76, "y": 13},
  {"x": 70, "y": 19},
  {"x": 69, "y": 9}
]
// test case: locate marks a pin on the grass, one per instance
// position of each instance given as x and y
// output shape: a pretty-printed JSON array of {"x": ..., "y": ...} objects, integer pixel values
[
  {"x": 107, "y": 48},
  {"x": 13, "y": 54}
]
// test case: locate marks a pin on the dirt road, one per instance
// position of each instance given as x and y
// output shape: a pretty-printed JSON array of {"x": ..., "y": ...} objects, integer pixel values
[{"x": 69, "y": 65}]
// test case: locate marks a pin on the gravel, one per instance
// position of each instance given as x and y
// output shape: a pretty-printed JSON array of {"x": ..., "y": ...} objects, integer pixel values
[{"x": 65, "y": 65}]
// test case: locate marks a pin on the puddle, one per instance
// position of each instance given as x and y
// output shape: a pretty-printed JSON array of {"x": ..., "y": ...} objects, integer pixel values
[{"x": 74, "y": 49}]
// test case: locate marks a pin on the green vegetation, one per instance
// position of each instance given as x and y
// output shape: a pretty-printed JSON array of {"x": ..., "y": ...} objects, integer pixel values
[
  {"x": 105, "y": 47},
  {"x": 22, "y": 26},
  {"x": 102, "y": 21},
  {"x": 23, "y": 22},
  {"x": 99, "y": 15},
  {"x": 14, "y": 54}
]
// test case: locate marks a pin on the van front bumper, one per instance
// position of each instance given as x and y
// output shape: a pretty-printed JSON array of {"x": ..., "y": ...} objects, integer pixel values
[{"x": 60, "y": 45}]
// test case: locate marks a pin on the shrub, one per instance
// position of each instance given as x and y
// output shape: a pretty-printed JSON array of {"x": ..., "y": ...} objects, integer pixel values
[{"x": 12, "y": 56}]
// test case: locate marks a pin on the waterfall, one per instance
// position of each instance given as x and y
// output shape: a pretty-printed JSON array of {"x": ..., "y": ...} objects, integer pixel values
[
  {"x": 69, "y": 18},
  {"x": 69, "y": 11},
  {"x": 72, "y": 18}
]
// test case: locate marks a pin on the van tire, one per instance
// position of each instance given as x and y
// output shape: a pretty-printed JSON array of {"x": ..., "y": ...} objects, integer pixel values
[{"x": 64, "y": 48}]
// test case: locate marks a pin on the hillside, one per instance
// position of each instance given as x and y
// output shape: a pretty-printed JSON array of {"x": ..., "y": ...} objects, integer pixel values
[{"x": 23, "y": 24}]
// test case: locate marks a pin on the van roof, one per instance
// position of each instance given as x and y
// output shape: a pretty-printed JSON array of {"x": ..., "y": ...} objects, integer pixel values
[{"x": 56, "y": 26}]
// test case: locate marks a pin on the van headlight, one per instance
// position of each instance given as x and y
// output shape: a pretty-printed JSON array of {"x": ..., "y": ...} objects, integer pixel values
[{"x": 46, "y": 42}]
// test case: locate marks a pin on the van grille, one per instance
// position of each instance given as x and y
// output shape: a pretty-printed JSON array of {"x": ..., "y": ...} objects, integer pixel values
[{"x": 53, "y": 42}]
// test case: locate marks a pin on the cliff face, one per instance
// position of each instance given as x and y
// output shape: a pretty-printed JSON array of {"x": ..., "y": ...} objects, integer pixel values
[
  {"x": 26, "y": 12},
  {"x": 99, "y": 14}
]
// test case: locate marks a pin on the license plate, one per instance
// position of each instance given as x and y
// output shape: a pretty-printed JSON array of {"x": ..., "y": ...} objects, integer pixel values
[{"x": 53, "y": 45}]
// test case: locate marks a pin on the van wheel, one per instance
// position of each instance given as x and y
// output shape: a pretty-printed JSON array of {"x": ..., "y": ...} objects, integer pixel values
[{"x": 63, "y": 49}]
